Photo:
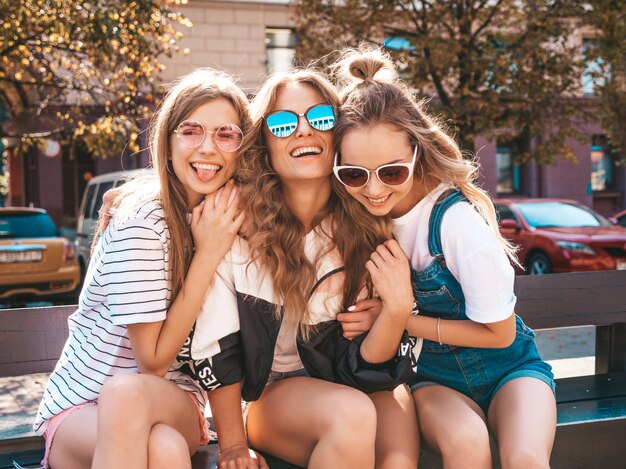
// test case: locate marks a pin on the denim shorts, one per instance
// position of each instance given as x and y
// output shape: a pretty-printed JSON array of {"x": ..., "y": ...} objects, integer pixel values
[
  {"x": 278, "y": 375},
  {"x": 274, "y": 376},
  {"x": 480, "y": 372}
]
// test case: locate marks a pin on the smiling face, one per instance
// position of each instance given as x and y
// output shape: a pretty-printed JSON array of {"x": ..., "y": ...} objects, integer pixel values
[
  {"x": 373, "y": 147},
  {"x": 205, "y": 168},
  {"x": 307, "y": 153}
]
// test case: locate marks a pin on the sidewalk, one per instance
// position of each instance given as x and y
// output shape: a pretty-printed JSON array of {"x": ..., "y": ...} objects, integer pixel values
[
  {"x": 570, "y": 352},
  {"x": 568, "y": 367},
  {"x": 19, "y": 400}
]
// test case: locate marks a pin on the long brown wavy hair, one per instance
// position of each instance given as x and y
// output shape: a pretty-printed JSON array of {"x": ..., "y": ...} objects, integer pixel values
[
  {"x": 276, "y": 236},
  {"x": 185, "y": 96},
  {"x": 372, "y": 94}
]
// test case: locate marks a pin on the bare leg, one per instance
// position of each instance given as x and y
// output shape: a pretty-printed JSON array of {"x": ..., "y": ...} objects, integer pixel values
[
  {"x": 314, "y": 423},
  {"x": 453, "y": 425},
  {"x": 75, "y": 440},
  {"x": 128, "y": 408},
  {"x": 167, "y": 448},
  {"x": 397, "y": 436},
  {"x": 522, "y": 417}
]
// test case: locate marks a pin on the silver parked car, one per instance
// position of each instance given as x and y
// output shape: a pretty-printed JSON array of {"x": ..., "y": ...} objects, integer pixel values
[{"x": 90, "y": 207}]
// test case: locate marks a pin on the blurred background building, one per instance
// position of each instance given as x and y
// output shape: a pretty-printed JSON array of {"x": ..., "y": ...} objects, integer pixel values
[{"x": 252, "y": 38}]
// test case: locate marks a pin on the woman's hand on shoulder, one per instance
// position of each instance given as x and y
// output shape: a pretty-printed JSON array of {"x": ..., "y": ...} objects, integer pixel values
[
  {"x": 360, "y": 317},
  {"x": 216, "y": 221},
  {"x": 240, "y": 456},
  {"x": 110, "y": 203},
  {"x": 391, "y": 276}
]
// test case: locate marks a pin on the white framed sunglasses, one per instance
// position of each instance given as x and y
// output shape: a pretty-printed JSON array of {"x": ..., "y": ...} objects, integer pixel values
[
  {"x": 191, "y": 133},
  {"x": 392, "y": 174}
]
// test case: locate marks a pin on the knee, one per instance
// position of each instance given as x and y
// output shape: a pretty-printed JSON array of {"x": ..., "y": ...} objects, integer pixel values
[
  {"x": 122, "y": 395},
  {"x": 167, "y": 448},
  {"x": 468, "y": 441},
  {"x": 396, "y": 461},
  {"x": 354, "y": 414},
  {"x": 523, "y": 458}
]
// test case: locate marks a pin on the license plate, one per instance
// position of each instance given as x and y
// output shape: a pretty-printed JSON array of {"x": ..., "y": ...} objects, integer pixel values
[
  {"x": 20, "y": 256},
  {"x": 621, "y": 265}
]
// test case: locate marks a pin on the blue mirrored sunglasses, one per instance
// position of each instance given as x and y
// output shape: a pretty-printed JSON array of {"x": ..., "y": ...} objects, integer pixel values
[{"x": 283, "y": 124}]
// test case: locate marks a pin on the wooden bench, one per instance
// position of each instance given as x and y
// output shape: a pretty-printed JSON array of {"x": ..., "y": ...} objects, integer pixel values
[
  {"x": 591, "y": 409},
  {"x": 31, "y": 341}
]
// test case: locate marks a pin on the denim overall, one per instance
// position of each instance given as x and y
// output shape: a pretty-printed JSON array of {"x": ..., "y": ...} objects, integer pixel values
[{"x": 476, "y": 372}]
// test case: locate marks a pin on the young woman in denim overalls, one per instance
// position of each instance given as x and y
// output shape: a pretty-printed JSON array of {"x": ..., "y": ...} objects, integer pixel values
[{"x": 479, "y": 370}]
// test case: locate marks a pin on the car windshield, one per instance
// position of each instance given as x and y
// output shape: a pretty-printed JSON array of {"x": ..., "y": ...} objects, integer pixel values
[
  {"x": 559, "y": 215},
  {"x": 27, "y": 225}
]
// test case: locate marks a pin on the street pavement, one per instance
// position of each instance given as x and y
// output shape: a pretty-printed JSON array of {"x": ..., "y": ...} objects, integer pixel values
[{"x": 570, "y": 351}]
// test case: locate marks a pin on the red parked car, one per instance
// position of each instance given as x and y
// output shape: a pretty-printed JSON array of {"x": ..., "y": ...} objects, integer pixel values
[
  {"x": 556, "y": 235},
  {"x": 619, "y": 218}
]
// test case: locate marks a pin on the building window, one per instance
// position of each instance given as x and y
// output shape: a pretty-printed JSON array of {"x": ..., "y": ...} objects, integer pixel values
[
  {"x": 398, "y": 43},
  {"x": 509, "y": 175},
  {"x": 280, "y": 48},
  {"x": 596, "y": 73},
  {"x": 601, "y": 164}
]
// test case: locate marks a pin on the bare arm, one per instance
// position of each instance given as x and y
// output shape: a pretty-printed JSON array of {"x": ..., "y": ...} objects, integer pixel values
[
  {"x": 226, "y": 409},
  {"x": 464, "y": 333},
  {"x": 214, "y": 226},
  {"x": 390, "y": 273}
]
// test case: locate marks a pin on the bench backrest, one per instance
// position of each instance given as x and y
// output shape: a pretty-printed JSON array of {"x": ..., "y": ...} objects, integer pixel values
[
  {"x": 573, "y": 299},
  {"x": 31, "y": 339}
]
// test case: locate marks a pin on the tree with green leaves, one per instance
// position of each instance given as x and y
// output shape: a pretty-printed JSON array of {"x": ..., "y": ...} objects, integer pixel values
[
  {"x": 498, "y": 68},
  {"x": 608, "y": 56},
  {"x": 82, "y": 69}
]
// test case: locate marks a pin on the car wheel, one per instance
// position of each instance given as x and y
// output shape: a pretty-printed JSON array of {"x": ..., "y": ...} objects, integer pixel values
[{"x": 539, "y": 264}]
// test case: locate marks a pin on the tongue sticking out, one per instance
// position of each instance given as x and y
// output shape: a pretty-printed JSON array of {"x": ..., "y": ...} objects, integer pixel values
[{"x": 206, "y": 175}]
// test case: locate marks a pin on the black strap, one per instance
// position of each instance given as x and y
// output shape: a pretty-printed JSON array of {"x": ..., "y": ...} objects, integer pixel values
[{"x": 324, "y": 277}]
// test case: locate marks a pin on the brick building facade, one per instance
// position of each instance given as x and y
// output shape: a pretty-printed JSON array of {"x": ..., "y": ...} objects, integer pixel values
[{"x": 250, "y": 38}]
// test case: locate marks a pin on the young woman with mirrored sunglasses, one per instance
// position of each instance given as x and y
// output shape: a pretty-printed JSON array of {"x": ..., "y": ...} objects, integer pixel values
[{"x": 301, "y": 264}]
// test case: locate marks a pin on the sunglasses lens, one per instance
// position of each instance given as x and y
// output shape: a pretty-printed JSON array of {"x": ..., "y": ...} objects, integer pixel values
[
  {"x": 353, "y": 177},
  {"x": 190, "y": 133},
  {"x": 228, "y": 137},
  {"x": 321, "y": 117},
  {"x": 282, "y": 123},
  {"x": 393, "y": 175}
]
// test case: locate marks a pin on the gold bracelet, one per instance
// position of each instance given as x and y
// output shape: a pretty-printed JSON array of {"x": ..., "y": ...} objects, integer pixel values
[{"x": 439, "y": 331}]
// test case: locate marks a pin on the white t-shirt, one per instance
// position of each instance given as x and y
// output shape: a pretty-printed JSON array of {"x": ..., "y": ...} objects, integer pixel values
[
  {"x": 286, "y": 356},
  {"x": 127, "y": 282},
  {"x": 472, "y": 253}
]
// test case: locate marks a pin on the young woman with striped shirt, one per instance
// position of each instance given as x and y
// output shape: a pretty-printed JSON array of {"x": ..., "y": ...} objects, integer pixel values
[{"x": 114, "y": 399}]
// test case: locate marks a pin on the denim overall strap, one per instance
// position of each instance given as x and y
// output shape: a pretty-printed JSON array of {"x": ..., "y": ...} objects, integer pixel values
[{"x": 445, "y": 201}]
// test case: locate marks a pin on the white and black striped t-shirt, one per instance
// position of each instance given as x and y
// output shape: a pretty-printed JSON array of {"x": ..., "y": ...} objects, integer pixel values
[{"x": 127, "y": 282}]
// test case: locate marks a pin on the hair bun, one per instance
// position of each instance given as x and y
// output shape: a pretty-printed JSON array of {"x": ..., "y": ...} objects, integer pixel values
[{"x": 367, "y": 66}]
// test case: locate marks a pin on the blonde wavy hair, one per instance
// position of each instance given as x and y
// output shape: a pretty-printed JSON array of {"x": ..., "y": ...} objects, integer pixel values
[
  {"x": 185, "y": 96},
  {"x": 276, "y": 236},
  {"x": 372, "y": 94}
]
